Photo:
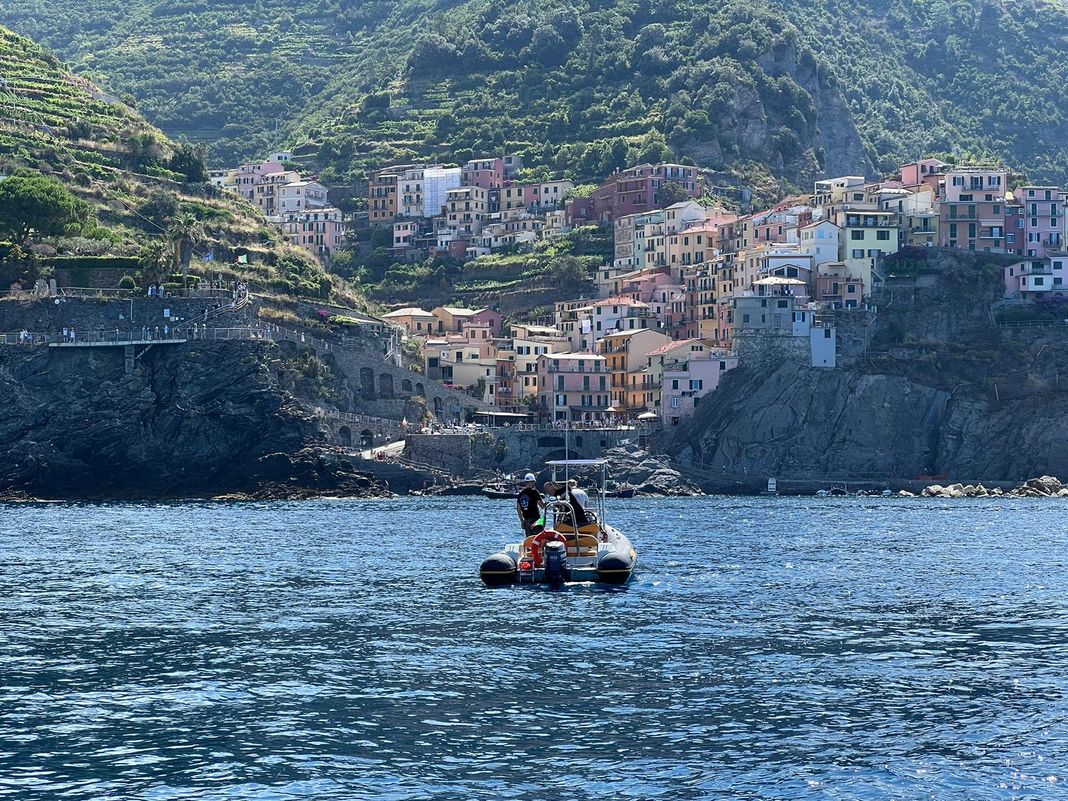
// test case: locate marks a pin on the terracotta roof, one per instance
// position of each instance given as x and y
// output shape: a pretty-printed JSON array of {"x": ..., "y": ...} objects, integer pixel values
[
  {"x": 668, "y": 347},
  {"x": 619, "y": 301}
]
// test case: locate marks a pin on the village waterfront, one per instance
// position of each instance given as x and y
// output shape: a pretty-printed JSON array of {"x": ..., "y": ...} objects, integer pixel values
[{"x": 771, "y": 648}]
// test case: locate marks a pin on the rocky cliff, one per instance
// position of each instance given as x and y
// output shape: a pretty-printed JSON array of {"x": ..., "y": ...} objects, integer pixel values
[
  {"x": 931, "y": 387},
  {"x": 205, "y": 418}
]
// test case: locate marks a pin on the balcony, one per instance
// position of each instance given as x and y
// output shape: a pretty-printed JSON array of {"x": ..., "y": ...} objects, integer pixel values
[{"x": 1035, "y": 269}]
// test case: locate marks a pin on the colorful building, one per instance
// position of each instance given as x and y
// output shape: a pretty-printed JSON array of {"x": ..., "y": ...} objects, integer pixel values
[
  {"x": 972, "y": 212},
  {"x": 573, "y": 386}
]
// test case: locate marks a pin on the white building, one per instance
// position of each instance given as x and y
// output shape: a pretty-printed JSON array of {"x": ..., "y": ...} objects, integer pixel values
[{"x": 301, "y": 195}]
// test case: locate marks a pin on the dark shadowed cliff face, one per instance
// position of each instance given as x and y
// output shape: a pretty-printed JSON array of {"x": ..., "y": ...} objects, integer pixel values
[
  {"x": 197, "y": 419},
  {"x": 800, "y": 422},
  {"x": 940, "y": 390}
]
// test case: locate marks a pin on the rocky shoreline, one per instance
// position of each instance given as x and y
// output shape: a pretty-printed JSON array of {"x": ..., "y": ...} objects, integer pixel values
[{"x": 1044, "y": 487}]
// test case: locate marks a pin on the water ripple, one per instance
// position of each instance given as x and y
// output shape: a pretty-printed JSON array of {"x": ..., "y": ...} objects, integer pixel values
[{"x": 768, "y": 649}]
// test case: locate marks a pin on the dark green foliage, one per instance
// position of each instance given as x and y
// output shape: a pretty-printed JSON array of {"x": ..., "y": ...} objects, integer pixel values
[
  {"x": 38, "y": 206},
  {"x": 158, "y": 211},
  {"x": 130, "y": 263},
  {"x": 188, "y": 161},
  {"x": 671, "y": 193},
  {"x": 586, "y": 86}
]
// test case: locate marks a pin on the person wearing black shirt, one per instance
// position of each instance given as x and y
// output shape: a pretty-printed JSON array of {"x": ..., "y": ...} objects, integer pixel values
[{"x": 528, "y": 504}]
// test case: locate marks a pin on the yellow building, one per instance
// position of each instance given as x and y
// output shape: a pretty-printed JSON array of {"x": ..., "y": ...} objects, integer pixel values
[
  {"x": 867, "y": 236},
  {"x": 627, "y": 353}
]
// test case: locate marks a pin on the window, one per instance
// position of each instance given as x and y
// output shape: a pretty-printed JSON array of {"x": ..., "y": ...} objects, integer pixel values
[
  {"x": 883, "y": 236},
  {"x": 674, "y": 383},
  {"x": 858, "y": 254},
  {"x": 826, "y": 333},
  {"x": 676, "y": 402},
  {"x": 856, "y": 235},
  {"x": 745, "y": 318},
  {"x": 851, "y": 289}
]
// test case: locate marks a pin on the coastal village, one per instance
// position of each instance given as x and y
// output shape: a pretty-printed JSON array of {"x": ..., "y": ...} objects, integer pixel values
[{"x": 691, "y": 283}]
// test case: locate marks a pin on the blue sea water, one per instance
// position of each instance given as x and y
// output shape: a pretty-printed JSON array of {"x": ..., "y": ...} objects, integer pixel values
[{"x": 767, "y": 649}]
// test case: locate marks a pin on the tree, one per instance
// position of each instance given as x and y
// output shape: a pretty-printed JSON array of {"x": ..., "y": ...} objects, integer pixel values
[
  {"x": 671, "y": 193},
  {"x": 41, "y": 206},
  {"x": 568, "y": 271},
  {"x": 160, "y": 209},
  {"x": 144, "y": 151},
  {"x": 188, "y": 161},
  {"x": 183, "y": 235}
]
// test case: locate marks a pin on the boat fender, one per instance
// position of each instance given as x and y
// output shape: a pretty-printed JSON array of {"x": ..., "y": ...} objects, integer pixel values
[
  {"x": 498, "y": 570},
  {"x": 538, "y": 544}
]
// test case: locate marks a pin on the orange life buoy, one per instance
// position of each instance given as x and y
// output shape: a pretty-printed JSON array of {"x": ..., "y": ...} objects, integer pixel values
[{"x": 538, "y": 544}]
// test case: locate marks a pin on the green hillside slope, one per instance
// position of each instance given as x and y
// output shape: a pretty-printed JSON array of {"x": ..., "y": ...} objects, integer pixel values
[
  {"x": 144, "y": 193},
  {"x": 790, "y": 86}
]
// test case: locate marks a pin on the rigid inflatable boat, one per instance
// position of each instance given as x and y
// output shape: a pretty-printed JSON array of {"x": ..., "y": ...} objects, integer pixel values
[{"x": 562, "y": 553}]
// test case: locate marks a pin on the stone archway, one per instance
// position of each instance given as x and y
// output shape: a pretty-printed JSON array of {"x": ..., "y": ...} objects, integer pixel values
[
  {"x": 385, "y": 385},
  {"x": 420, "y": 390},
  {"x": 344, "y": 435},
  {"x": 439, "y": 407},
  {"x": 367, "y": 383},
  {"x": 406, "y": 386},
  {"x": 367, "y": 438}
]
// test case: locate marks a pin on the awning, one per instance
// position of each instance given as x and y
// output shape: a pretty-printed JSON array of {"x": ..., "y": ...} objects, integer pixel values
[{"x": 648, "y": 416}]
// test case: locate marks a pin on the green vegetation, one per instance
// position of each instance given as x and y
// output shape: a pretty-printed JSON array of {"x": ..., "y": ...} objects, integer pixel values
[
  {"x": 562, "y": 264},
  {"x": 775, "y": 88},
  {"x": 91, "y": 179},
  {"x": 33, "y": 204}
]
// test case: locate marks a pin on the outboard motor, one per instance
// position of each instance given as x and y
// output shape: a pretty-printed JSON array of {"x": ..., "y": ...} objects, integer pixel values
[{"x": 556, "y": 569}]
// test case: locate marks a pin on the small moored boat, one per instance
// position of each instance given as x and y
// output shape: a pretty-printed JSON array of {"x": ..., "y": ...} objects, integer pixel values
[{"x": 563, "y": 553}]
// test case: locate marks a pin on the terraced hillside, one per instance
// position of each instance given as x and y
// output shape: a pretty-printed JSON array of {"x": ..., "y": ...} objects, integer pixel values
[
  {"x": 788, "y": 88},
  {"x": 139, "y": 183}
]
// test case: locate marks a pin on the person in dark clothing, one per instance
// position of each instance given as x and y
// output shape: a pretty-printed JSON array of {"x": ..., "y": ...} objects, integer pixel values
[{"x": 528, "y": 504}]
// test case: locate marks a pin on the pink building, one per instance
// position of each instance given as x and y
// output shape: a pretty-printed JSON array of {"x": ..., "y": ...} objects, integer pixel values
[
  {"x": 318, "y": 231},
  {"x": 972, "y": 209},
  {"x": 1037, "y": 278},
  {"x": 573, "y": 386},
  {"x": 484, "y": 173},
  {"x": 924, "y": 171},
  {"x": 641, "y": 286},
  {"x": 685, "y": 382},
  {"x": 635, "y": 189},
  {"x": 1042, "y": 217},
  {"x": 488, "y": 318}
]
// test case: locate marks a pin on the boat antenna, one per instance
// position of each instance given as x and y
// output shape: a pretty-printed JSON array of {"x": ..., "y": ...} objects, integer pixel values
[{"x": 567, "y": 453}]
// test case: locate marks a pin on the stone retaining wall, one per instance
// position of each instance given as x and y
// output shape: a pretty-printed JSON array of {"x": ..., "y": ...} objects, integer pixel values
[{"x": 51, "y": 315}]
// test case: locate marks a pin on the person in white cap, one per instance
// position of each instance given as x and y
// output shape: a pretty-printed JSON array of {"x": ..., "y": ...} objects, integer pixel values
[{"x": 528, "y": 504}]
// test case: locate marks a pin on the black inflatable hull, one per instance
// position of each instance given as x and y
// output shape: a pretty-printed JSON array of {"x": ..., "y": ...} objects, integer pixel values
[
  {"x": 615, "y": 568},
  {"x": 498, "y": 570}
]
